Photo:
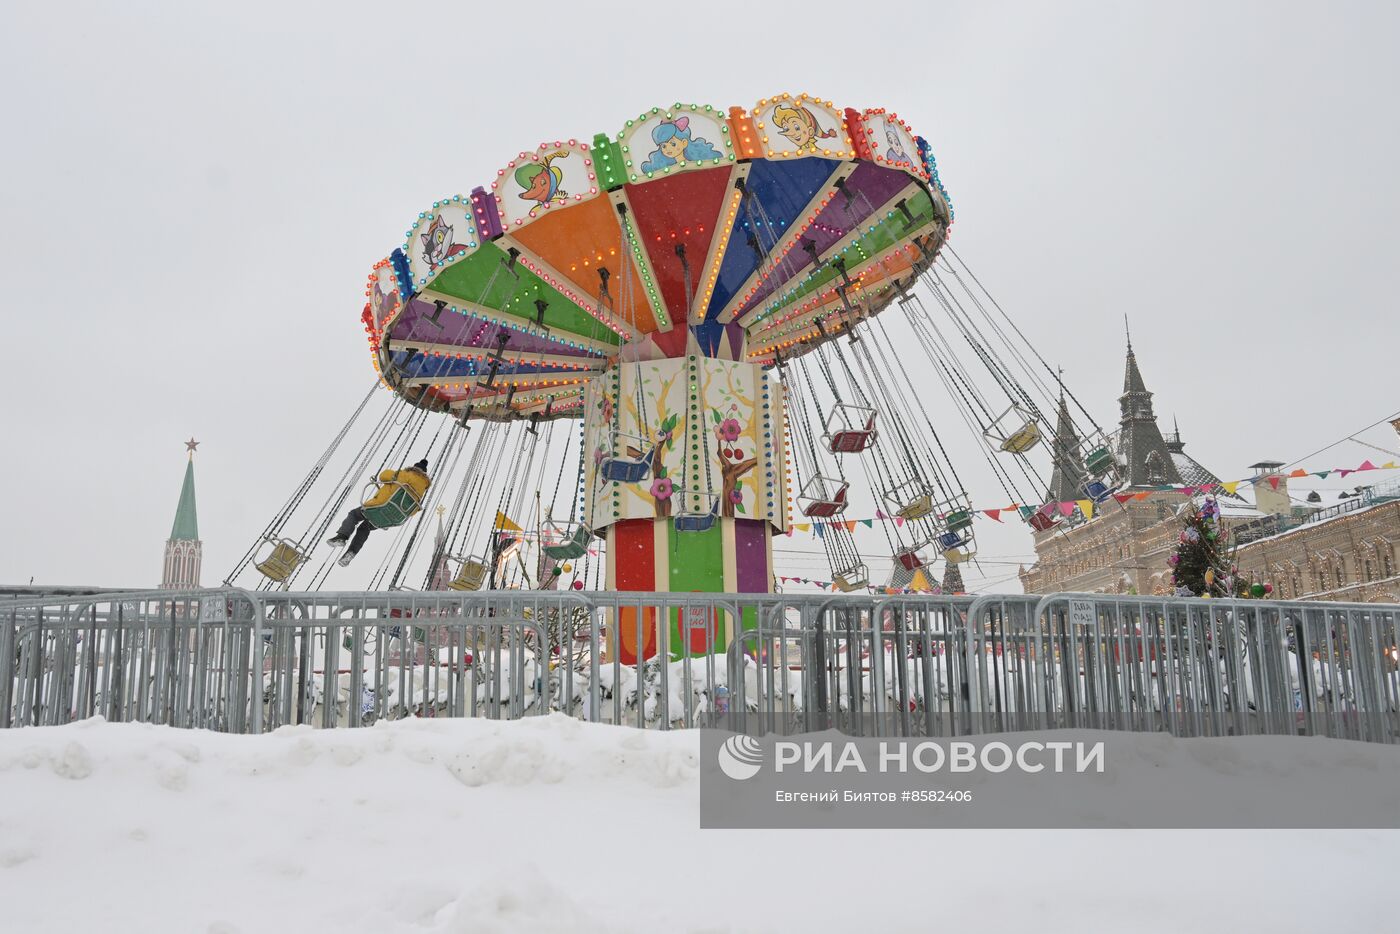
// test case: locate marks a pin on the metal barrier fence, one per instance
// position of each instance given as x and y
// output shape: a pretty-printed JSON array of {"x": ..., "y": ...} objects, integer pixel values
[{"x": 237, "y": 661}]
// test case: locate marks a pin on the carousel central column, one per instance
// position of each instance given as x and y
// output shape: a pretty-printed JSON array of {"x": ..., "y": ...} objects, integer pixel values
[{"x": 688, "y": 482}]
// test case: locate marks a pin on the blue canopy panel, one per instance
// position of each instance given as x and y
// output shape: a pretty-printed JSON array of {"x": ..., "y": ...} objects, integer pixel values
[{"x": 783, "y": 189}]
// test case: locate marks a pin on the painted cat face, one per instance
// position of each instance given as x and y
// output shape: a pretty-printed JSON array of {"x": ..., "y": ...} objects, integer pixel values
[{"x": 437, "y": 240}]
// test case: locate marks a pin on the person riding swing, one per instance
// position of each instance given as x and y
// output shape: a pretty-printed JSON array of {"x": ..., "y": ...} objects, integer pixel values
[{"x": 399, "y": 496}]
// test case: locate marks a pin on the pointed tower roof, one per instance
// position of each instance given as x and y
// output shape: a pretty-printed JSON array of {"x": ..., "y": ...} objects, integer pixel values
[
  {"x": 186, "y": 526},
  {"x": 1069, "y": 475},
  {"x": 1146, "y": 459}
]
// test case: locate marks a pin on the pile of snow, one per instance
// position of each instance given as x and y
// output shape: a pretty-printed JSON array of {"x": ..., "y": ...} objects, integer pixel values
[{"x": 550, "y": 824}]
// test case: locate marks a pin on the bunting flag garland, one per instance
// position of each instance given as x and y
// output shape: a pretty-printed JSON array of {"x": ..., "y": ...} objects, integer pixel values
[
  {"x": 1084, "y": 506},
  {"x": 871, "y": 588}
]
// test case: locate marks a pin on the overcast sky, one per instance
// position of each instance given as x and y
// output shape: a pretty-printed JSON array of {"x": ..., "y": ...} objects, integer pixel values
[{"x": 191, "y": 196}]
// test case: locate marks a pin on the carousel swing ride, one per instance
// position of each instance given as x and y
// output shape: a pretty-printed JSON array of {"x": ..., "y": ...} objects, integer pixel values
[{"x": 632, "y": 361}]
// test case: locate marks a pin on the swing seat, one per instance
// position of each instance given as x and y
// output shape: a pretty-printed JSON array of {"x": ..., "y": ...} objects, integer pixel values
[
  {"x": 1098, "y": 490},
  {"x": 950, "y": 539},
  {"x": 909, "y": 558},
  {"x": 1022, "y": 439},
  {"x": 1015, "y": 431},
  {"x": 853, "y": 440},
  {"x": 395, "y": 510},
  {"x": 470, "y": 575},
  {"x": 573, "y": 545},
  {"x": 817, "y": 502},
  {"x": 917, "y": 508},
  {"x": 626, "y": 469},
  {"x": 958, "y": 519},
  {"x": 910, "y": 500},
  {"x": 958, "y": 555},
  {"x": 698, "y": 521},
  {"x": 850, "y": 429},
  {"x": 1100, "y": 461},
  {"x": 281, "y": 561},
  {"x": 856, "y": 577}
]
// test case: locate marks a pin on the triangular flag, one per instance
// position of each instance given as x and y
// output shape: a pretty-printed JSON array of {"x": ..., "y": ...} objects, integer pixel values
[
  {"x": 804, "y": 526},
  {"x": 1321, "y": 474},
  {"x": 1122, "y": 497},
  {"x": 1388, "y": 465},
  {"x": 1230, "y": 487},
  {"x": 993, "y": 514},
  {"x": 1366, "y": 465},
  {"x": 1143, "y": 495},
  {"x": 821, "y": 531},
  {"x": 1086, "y": 506},
  {"x": 1300, "y": 472},
  {"x": 898, "y": 521},
  {"x": 1273, "y": 482},
  {"x": 504, "y": 524},
  {"x": 1066, "y": 508},
  {"x": 869, "y": 523},
  {"x": 851, "y": 525},
  {"x": 1343, "y": 472}
]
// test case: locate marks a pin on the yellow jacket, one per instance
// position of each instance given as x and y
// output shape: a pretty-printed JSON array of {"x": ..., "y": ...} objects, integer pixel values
[{"x": 413, "y": 478}]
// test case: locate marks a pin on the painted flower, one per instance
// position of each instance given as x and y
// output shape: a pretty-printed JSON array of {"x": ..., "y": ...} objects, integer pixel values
[
  {"x": 661, "y": 488},
  {"x": 729, "y": 430},
  {"x": 735, "y": 496}
]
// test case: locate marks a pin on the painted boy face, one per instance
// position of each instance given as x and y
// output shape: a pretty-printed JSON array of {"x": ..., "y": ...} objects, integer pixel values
[
  {"x": 796, "y": 130},
  {"x": 673, "y": 148}
]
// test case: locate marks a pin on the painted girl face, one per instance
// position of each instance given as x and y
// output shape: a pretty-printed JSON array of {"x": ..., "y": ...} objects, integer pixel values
[
  {"x": 796, "y": 130},
  {"x": 673, "y": 148}
]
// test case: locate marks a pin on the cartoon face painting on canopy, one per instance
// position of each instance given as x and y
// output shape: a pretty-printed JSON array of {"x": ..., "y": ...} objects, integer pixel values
[
  {"x": 541, "y": 180},
  {"x": 799, "y": 126},
  {"x": 438, "y": 244},
  {"x": 675, "y": 142},
  {"x": 896, "y": 151}
]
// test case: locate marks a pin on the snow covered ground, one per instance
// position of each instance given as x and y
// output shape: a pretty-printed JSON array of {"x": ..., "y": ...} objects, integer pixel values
[{"x": 555, "y": 825}]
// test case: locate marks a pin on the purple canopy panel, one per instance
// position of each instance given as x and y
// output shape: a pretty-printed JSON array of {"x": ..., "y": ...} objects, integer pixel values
[{"x": 870, "y": 187}]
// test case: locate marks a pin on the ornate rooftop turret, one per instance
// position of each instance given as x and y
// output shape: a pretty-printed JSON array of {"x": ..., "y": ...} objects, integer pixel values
[{"x": 1146, "y": 459}]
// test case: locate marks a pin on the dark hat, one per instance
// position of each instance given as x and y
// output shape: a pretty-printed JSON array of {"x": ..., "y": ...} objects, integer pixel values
[{"x": 422, "y": 465}]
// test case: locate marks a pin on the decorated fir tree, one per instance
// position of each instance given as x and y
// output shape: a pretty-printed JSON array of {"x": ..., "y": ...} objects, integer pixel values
[{"x": 1203, "y": 565}]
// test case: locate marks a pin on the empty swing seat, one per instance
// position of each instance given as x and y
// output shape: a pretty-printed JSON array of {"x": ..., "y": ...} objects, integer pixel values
[
  {"x": 697, "y": 521},
  {"x": 281, "y": 561},
  {"x": 855, "y": 577},
  {"x": 850, "y": 429},
  {"x": 909, "y": 558},
  {"x": 573, "y": 544},
  {"x": 470, "y": 576},
  {"x": 852, "y": 440},
  {"x": 1037, "y": 520},
  {"x": 625, "y": 469},
  {"x": 959, "y": 519},
  {"x": 1100, "y": 461},
  {"x": 1098, "y": 490},
  {"x": 817, "y": 501},
  {"x": 950, "y": 539},
  {"x": 395, "y": 511},
  {"x": 917, "y": 508},
  {"x": 910, "y": 500},
  {"x": 1015, "y": 431}
]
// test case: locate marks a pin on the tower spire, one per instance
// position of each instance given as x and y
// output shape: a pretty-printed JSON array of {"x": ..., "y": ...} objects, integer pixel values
[
  {"x": 1146, "y": 458},
  {"x": 184, "y": 552}
]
